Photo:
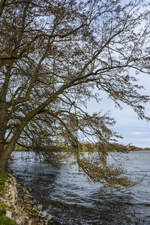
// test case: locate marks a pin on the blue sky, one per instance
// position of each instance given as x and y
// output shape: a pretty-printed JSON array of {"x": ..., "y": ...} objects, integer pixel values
[{"x": 134, "y": 131}]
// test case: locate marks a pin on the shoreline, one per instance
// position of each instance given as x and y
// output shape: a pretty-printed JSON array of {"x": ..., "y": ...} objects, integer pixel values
[{"x": 18, "y": 207}]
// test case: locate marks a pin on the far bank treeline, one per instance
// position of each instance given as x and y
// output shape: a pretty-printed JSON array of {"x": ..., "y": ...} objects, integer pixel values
[{"x": 87, "y": 147}]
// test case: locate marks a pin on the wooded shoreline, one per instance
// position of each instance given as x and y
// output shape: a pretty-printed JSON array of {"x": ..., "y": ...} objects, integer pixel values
[{"x": 86, "y": 147}]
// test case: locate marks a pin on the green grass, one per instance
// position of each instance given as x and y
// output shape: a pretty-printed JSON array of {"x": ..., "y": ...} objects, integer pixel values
[
  {"x": 6, "y": 221},
  {"x": 3, "y": 219},
  {"x": 3, "y": 178}
]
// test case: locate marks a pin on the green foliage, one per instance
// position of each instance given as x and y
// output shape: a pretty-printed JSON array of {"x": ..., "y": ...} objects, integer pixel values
[
  {"x": 2, "y": 212},
  {"x": 146, "y": 149},
  {"x": 3, "y": 178},
  {"x": 6, "y": 221},
  {"x": 3, "y": 219},
  {"x": 2, "y": 205}
]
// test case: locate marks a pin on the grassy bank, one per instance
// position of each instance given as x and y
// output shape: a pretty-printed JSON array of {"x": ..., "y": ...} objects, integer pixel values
[
  {"x": 17, "y": 206},
  {"x": 4, "y": 220}
]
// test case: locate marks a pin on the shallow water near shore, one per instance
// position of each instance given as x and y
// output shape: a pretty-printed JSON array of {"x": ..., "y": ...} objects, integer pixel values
[{"x": 72, "y": 199}]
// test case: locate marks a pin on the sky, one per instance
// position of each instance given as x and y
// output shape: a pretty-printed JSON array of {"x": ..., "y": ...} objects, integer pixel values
[{"x": 135, "y": 132}]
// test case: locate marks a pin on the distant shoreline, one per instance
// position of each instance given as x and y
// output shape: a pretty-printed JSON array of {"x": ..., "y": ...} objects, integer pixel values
[{"x": 87, "y": 147}]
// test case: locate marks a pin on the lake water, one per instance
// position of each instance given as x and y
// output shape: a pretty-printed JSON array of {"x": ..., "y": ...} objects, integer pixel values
[{"x": 73, "y": 200}]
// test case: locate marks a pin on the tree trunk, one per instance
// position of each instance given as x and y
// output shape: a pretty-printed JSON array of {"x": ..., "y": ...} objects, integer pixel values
[{"x": 4, "y": 155}]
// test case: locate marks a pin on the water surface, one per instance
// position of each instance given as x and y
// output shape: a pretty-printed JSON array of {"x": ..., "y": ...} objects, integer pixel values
[{"x": 73, "y": 200}]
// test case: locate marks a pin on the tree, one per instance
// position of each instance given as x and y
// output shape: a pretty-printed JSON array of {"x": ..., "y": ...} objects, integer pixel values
[{"x": 55, "y": 55}]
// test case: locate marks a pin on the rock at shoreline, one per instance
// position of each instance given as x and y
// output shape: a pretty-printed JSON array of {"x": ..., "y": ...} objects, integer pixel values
[{"x": 20, "y": 206}]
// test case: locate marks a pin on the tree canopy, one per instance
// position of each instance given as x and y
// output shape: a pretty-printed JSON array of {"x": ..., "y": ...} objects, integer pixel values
[{"x": 55, "y": 56}]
